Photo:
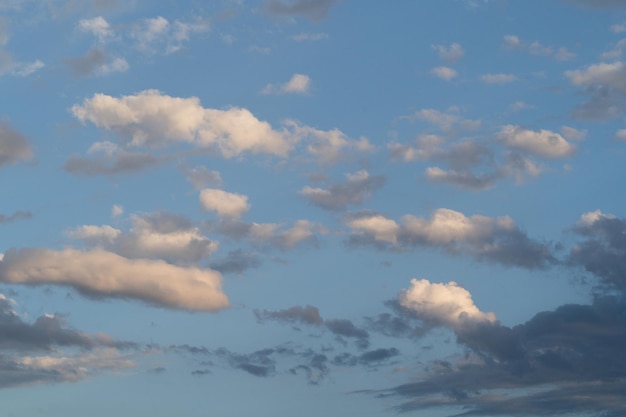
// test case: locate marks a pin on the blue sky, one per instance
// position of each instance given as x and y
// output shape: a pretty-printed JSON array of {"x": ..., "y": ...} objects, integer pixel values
[{"x": 305, "y": 207}]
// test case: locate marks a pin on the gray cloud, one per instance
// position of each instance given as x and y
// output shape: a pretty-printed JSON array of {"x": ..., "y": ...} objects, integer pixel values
[
  {"x": 18, "y": 215},
  {"x": 121, "y": 162},
  {"x": 358, "y": 187},
  {"x": 13, "y": 145},
  {"x": 305, "y": 315},
  {"x": 312, "y": 9},
  {"x": 236, "y": 262}
]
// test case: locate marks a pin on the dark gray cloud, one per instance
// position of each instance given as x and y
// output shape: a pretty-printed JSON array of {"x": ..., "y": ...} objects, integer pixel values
[
  {"x": 13, "y": 145},
  {"x": 305, "y": 315},
  {"x": 121, "y": 162},
  {"x": 541, "y": 367},
  {"x": 603, "y": 250},
  {"x": 312, "y": 9},
  {"x": 236, "y": 262},
  {"x": 86, "y": 65},
  {"x": 354, "y": 191},
  {"x": 18, "y": 215}
]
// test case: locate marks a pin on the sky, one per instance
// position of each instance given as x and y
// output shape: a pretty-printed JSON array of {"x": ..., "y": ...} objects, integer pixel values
[{"x": 312, "y": 207}]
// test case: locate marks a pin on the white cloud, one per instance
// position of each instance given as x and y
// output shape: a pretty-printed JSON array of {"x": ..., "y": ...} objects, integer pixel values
[
  {"x": 98, "y": 27},
  {"x": 451, "y": 53},
  {"x": 589, "y": 218},
  {"x": 619, "y": 28},
  {"x": 152, "y": 119},
  {"x": 378, "y": 226},
  {"x": 224, "y": 203},
  {"x": 512, "y": 41},
  {"x": 100, "y": 273},
  {"x": 297, "y": 84},
  {"x": 445, "y": 73},
  {"x": 611, "y": 75},
  {"x": 117, "y": 210},
  {"x": 499, "y": 78},
  {"x": 543, "y": 143},
  {"x": 443, "y": 304}
]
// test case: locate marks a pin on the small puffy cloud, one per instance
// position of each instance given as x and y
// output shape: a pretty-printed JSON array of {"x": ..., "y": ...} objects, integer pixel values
[
  {"x": 608, "y": 74},
  {"x": 264, "y": 235},
  {"x": 536, "y": 48},
  {"x": 496, "y": 240},
  {"x": 297, "y": 84},
  {"x": 152, "y": 119},
  {"x": 543, "y": 143},
  {"x": 201, "y": 177},
  {"x": 99, "y": 273},
  {"x": 98, "y": 27},
  {"x": 498, "y": 78},
  {"x": 117, "y": 210},
  {"x": 223, "y": 203},
  {"x": 451, "y": 53},
  {"x": 13, "y": 145},
  {"x": 355, "y": 190},
  {"x": 512, "y": 41},
  {"x": 571, "y": 133},
  {"x": 159, "y": 235},
  {"x": 442, "y": 304},
  {"x": 445, "y": 73},
  {"x": 312, "y": 9}
]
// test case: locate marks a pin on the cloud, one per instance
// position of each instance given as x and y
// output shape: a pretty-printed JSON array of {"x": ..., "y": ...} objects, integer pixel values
[
  {"x": 465, "y": 179},
  {"x": 98, "y": 27},
  {"x": 152, "y": 119},
  {"x": 498, "y": 78},
  {"x": 99, "y": 273},
  {"x": 358, "y": 187},
  {"x": 543, "y": 143},
  {"x": 236, "y": 262},
  {"x": 18, "y": 215},
  {"x": 266, "y": 235},
  {"x": 223, "y": 203},
  {"x": 311, "y": 37},
  {"x": 13, "y": 145},
  {"x": 451, "y": 53},
  {"x": 297, "y": 84},
  {"x": 603, "y": 249},
  {"x": 306, "y": 315},
  {"x": 486, "y": 239},
  {"x": 599, "y": 4},
  {"x": 96, "y": 62},
  {"x": 445, "y": 73},
  {"x": 109, "y": 159},
  {"x": 159, "y": 235},
  {"x": 605, "y": 85},
  {"x": 442, "y": 304},
  {"x": 536, "y": 48},
  {"x": 312, "y": 9},
  {"x": 200, "y": 177},
  {"x": 620, "y": 135}
]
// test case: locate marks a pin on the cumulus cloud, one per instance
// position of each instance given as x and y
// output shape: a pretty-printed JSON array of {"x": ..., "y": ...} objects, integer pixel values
[
  {"x": 543, "y": 143},
  {"x": 297, "y": 84},
  {"x": 445, "y": 73},
  {"x": 313, "y": 9},
  {"x": 358, "y": 187},
  {"x": 264, "y": 235},
  {"x": 605, "y": 85},
  {"x": 159, "y": 235},
  {"x": 223, "y": 203},
  {"x": 13, "y": 145},
  {"x": 451, "y": 53},
  {"x": 442, "y": 304},
  {"x": 152, "y": 119},
  {"x": 496, "y": 240},
  {"x": 98, "y": 27},
  {"x": 99, "y": 273}
]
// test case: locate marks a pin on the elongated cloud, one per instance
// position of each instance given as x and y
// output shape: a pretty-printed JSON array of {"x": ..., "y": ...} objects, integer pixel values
[
  {"x": 358, "y": 187},
  {"x": 442, "y": 304},
  {"x": 489, "y": 239},
  {"x": 152, "y": 119},
  {"x": 13, "y": 145},
  {"x": 100, "y": 273}
]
